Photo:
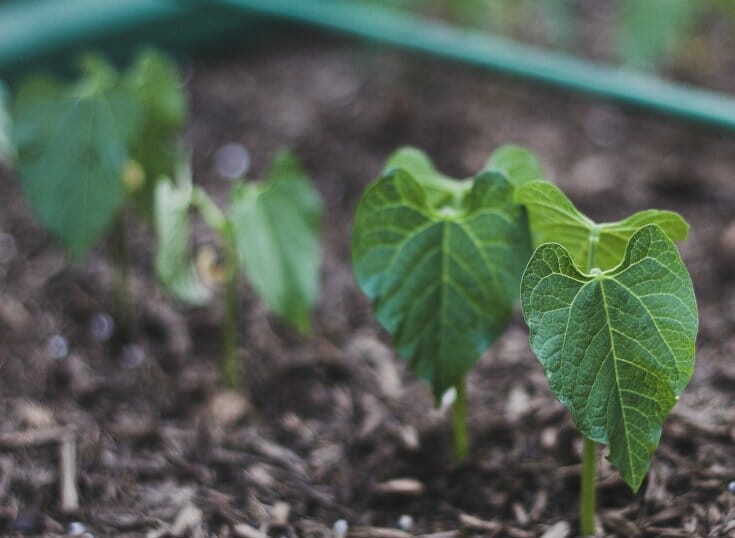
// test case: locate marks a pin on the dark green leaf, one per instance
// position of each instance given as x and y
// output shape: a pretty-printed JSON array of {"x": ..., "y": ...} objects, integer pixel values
[
  {"x": 154, "y": 82},
  {"x": 276, "y": 225},
  {"x": 553, "y": 218},
  {"x": 441, "y": 262},
  {"x": 72, "y": 145},
  {"x": 617, "y": 346}
]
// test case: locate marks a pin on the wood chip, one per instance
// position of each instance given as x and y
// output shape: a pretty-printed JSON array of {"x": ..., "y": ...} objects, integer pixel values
[
  {"x": 471, "y": 522},
  {"x": 377, "y": 532},
  {"x": 280, "y": 513},
  {"x": 560, "y": 529},
  {"x": 68, "y": 473},
  {"x": 243, "y": 530},
  {"x": 401, "y": 486}
]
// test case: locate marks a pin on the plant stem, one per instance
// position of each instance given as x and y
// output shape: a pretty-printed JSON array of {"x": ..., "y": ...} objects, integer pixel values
[
  {"x": 587, "y": 498},
  {"x": 123, "y": 304},
  {"x": 587, "y": 494},
  {"x": 459, "y": 422},
  {"x": 229, "y": 324}
]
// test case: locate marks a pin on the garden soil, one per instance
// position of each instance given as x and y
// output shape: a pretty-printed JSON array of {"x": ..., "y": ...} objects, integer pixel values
[{"x": 332, "y": 426}]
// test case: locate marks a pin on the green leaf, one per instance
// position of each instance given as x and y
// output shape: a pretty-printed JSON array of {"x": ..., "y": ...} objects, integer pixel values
[
  {"x": 442, "y": 277},
  {"x": 72, "y": 145},
  {"x": 276, "y": 225},
  {"x": 648, "y": 29},
  {"x": 154, "y": 81},
  {"x": 7, "y": 150},
  {"x": 440, "y": 189},
  {"x": 553, "y": 218},
  {"x": 617, "y": 346},
  {"x": 173, "y": 230},
  {"x": 518, "y": 164}
]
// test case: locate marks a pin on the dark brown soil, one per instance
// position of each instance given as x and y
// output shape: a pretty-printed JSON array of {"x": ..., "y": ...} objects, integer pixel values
[{"x": 331, "y": 421}]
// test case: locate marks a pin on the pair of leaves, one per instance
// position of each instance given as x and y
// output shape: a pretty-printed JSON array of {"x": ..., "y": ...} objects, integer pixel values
[
  {"x": 616, "y": 341},
  {"x": 74, "y": 140},
  {"x": 441, "y": 261},
  {"x": 272, "y": 228}
]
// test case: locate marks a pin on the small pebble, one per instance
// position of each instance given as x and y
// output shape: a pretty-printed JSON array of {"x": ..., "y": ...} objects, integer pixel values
[
  {"x": 8, "y": 250},
  {"x": 102, "y": 327},
  {"x": 57, "y": 347},
  {"x": 132, "y": 356},
  {"x": 340, "y": 528},
  {"x": 405, "y": 522},
  {"x": 232, "y": 161},
  {"x": 731, "y": 487},
  {"x": 448, "y": 398},
  {"x": 76, "y": 528}
]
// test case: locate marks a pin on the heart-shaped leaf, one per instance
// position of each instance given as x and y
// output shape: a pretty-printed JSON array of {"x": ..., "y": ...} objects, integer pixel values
[
  {"x": 276, "y": 225},
  {"x": 72, "y": 146},
  {"x": 617, "y": 346},
  {"x": 553, "y": 218},
  {"x": 441, "y": 261}
]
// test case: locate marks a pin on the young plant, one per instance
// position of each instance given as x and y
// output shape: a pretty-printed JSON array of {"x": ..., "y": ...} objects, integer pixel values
[
  {"x": 270, "y": 233},
  {"x": 88, "y": 148},
  {"x": 613, "y": 320},
  {"x": 441, "y": 261}
]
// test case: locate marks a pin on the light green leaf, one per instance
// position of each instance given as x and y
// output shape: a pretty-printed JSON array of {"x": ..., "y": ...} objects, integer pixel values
[
  {"x": 442, "y": 278},
  {"x": 154, "y": 81},
  {"x": 648, "y": 29},
  {"x": 276, "y": 225},
  {"x": 7, "y": 150},
  {"x": 72, "y": 145},
  {"x": 517, "y": 163},
  {"x": 553, "y": 218},
  {"x": 174, "y": 267},
  {"x": 616, "y": 346},
  {"x": 440, "y": 189}
]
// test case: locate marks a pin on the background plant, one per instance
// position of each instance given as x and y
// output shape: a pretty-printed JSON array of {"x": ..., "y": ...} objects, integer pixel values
[
  {"x": 269, "y": 233},
  {"x": 89, "y": 148},
  {"x": 613, "y": 320},
  {"x": 441, "y": 261}
]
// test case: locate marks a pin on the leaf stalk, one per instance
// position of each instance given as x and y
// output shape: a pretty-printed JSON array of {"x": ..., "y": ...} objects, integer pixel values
[{"x": 459, "y": 422}]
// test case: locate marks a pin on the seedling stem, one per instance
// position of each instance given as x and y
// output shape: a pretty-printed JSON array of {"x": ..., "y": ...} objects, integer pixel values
[
  {"x": 589, "y": 448},
  {"x": 123, "y": 305},
  {"x": 459, "y": 422},
  {"x": 229, "y": 326}
]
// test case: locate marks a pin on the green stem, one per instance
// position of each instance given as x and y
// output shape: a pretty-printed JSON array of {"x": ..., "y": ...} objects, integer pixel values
[
  {"x": 459, "y": 423},
  {"x": 123, "y": 304},
  {"x": 587, "y": 497},
  {"x": 229, "y": 325},
  {"x": 588, "y": 491}
]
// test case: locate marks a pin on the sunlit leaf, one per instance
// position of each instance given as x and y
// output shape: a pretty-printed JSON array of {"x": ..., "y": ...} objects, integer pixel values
[
  {"x": 553, "y": 218},
  {"x": 617, "y": 346}
]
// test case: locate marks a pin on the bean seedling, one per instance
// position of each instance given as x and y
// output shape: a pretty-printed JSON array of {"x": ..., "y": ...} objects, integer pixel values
[
  {"x": 270, "y": 233},
  {"x": 441, "y": 261},
  {"x": 613, "y": 320},
  {"x": 86, "y": 149}
]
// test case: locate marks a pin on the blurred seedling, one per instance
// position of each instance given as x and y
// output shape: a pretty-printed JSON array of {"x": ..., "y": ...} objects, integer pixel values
[{"x": 269, "y": 234}]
